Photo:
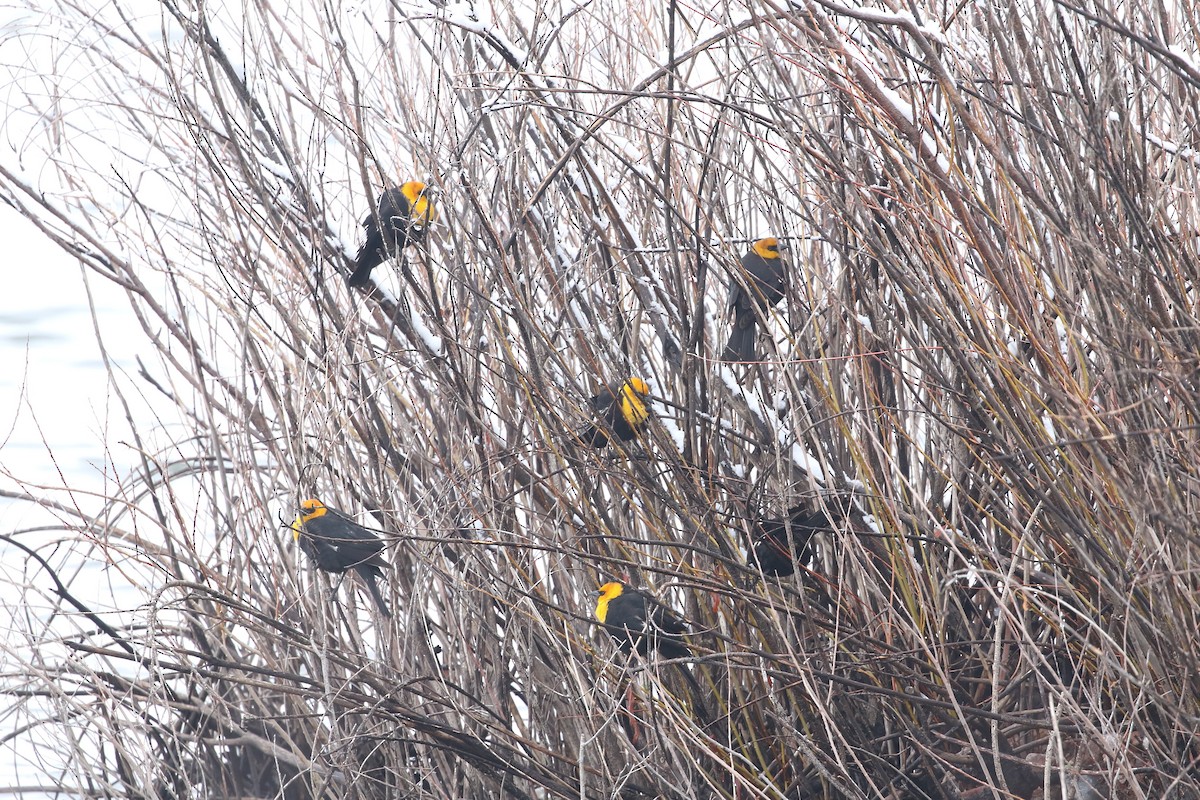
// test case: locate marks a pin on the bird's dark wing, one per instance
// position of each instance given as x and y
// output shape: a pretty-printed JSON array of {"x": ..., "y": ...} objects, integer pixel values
[
  {"x": 635, "y": 619},
  {"x": 340, "y": 543},
  {"x": 737, "y": 294},
  {"x": 664, "y": 628},
  {"x": 386, "y": 235},
  {"x": 606, "y": 398},
  {"x": 322, "y": 551},
  {"x": 633, "y": 605},
  {"x": 356, "y": 553},
  {"x": 757, "y": 285},
  {"x": 667, "y": 631},
  {"x": 626, "y": 619},
  {"x": 392, "y": 203},
  {"x": 773, "y": 552},
  {"x": 594, "y": 436},
  {"x": 766, "y": 278},
  {"x": 781, "y": 545},
  {"x": 666, "y": 621},
  {"x": 394, "y": 219},
  {"x": 609, "y": 419}
]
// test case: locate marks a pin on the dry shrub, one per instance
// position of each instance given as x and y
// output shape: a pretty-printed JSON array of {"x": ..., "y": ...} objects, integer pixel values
[{"x": 984, "y": 369}]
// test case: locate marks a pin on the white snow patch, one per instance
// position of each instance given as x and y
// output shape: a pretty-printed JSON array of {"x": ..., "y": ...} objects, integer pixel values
[
  {"x": 1183, "y": 151},
  {"x": 432, "y": 341},
  {"x": 1048, "y": 424},
  {"x": 803, "y": 459},
  {"x": 674, "y": 431},
  {"x": 464, "y": 16},
  {"x": 1185, "y": 58},
  {"x": 1064, "y": 342},
  {"x": 277, "y": 169}
]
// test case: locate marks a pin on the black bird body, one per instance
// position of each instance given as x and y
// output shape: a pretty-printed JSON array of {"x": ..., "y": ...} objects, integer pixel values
[
  {"x": 402, "y": 215},
  {"x": 757, "y": 287},
  {"x": 781, "y": 544},
  {"x": 637, "y": 621},
  {"x": 336, "y": 543},
  {"x": 621, "y": 411}
]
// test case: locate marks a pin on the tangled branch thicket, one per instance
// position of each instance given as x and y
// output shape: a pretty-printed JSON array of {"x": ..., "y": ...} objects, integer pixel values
[{"x": 985, "y": 364}]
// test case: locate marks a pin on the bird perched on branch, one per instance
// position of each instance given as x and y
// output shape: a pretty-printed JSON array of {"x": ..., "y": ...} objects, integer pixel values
[
  {"x": 638, "y": 621},
  {"x": 621, "y": 412},
  {"x": 337, "y": 543},
  {"x": 755, "y": 289},
  {"x": 403, "y": 215},
  {"x": 781, "y": 544}
]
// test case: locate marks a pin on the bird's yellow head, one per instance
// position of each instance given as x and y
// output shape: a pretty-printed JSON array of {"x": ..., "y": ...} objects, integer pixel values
[
  {"x": 637, "y": 386},
  {"x": 309, "y": 510},
  {"x": 633, "y": 401},
  {"x": 609, "y": 591},
  {"x": 768, "y": 248},
  {"x": 421, "y": 210}
]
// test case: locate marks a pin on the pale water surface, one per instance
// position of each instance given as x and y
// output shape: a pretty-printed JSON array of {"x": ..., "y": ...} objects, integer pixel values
[
  {"x": 56, "y": 412},
  {"x": 60, "y": 426}
]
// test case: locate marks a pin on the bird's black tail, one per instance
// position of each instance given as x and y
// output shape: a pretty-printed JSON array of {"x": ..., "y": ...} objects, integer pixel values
[
  {"x": 594, "y": 436},
  {"x": 371, "y": 575},
  {"x": 369, "y": 257},
  {"x": 697, "y": 698},
  {"x": 740, "y": 347}
]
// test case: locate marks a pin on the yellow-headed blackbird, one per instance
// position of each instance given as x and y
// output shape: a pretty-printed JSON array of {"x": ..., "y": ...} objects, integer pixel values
[
  {"x": 758, "y": 286},
  {"x": 402, "y": 216},
  {"x": 621, "y": 411},
  {"x": 337, "y": 543},
  {"x": 638, "y": 621},
  {"x": 781, "y": 544}
]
